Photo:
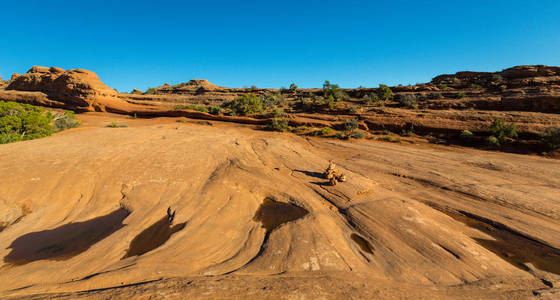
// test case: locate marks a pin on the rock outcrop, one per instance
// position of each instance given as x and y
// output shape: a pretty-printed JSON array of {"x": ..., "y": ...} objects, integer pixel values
[
  {"x": 15, "y": 75},
  {"x": 76, "y": 87}
]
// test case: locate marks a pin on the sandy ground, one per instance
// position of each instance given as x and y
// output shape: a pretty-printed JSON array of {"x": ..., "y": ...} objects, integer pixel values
[{"x": 84, "y": 215}]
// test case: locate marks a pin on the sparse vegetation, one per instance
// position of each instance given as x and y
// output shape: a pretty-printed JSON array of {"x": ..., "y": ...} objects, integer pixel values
[
  {"x": 293, "y": 87},
  {"x": 247, "y": 104},
  {"x": 466, "y": 135},
  {"x": 215, "y": 110},
  {"x": 443, "y": 87},
  {"x": 334, "y": 91},
  {"x": 496, "y": 79},
  {"x": 65, "y": 120},
  {"x": 476, "y": 86},
  {"x": 279, "y": 124},
  {"x": 461, "y": 95},
  {"x": 325, "y": 131},
  {"x": 20, "y": 122},
  {"x": 502, "y": 132},
  {"x": 551, "y": 138},
  {"x": 351, "y": 125},
  {"x": 384, "y": 92},
  {"x": 370, "y": 98},
  {"x": 357, "y": 134},
  {"x": 200, "y": 108},
  {"x": 116, "y": 125},
  {"x": 407, "y": 100},
  {"x": 150, "y": 91}
]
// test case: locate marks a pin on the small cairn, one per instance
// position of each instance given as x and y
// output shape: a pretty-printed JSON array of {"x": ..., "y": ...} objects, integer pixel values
[{"x": 333, "y": 175}]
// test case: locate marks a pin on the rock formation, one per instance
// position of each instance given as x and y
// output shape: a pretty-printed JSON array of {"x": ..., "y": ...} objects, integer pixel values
[{"x": 76, "y": 87}]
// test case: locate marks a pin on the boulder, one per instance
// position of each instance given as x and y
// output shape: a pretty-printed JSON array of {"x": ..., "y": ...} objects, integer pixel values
[
  {"x": 15, "y": 75},
  {"x": 77, "y": 87}
]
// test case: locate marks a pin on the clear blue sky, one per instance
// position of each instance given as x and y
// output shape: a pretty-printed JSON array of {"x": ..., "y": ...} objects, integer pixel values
[{"x": 138, "y": 44}]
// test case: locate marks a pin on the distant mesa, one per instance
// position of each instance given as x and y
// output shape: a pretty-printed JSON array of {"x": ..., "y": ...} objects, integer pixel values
[{"x": 193, "y": 84}]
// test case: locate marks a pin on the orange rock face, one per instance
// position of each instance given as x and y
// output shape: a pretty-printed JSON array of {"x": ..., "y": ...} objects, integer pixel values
[{"x": 75, "y": 87}]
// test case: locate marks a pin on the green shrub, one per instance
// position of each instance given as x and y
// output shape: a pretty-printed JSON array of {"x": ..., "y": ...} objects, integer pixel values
[
  {"x": 150, "y": 91},
  {"x": 279, "y": 124},
  {"x": 247, "y": 104},
  {"x": 407, "y": 100},
  {"x": 200, "y": 108},
  {"x": 65, "y": 120},
  {"x": 327, "y": 131},
  {"x": 116, "y": 125},
  {"x": 493, "y": 141},
  {"x": 272, "y": 100},
  {"x": 496, "y": 79},
  {"x": 215, "y": 110},
  {"x": 476, "y": 86},
  {"x": 20, "y": 122},
  {"x": 502, "y": 131},
  {"x": 461, "y": 95},
  {"x": 503, "y": 87},
  {"x": 551, "y": 137},
  {"x": 357, "y": 135},
  {"x": 330, "y": 102},
  {"x": 443, "y": 87},
  {"x": 333, "y": 90},
  {"x": 370, "y": 98},
  {"x": 466, "y": 135},
  {"x": 293, "y": 87},
  {"x": 351, "y": 124},
  {"x": 435, "y": 96},
  {"x": 384, "y": 92}
]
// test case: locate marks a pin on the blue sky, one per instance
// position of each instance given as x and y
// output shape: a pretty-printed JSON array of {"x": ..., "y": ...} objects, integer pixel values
[{"x": 141, "y": 44}]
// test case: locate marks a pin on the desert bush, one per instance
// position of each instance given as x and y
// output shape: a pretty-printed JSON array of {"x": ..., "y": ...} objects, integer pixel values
[
  {"x": 475, "y": 86},
  {"x": 333, "y": 90},
  {"x": 20, "y": 122},
  {"x": 408, "y": 129},
  {"x": 116, "y": 125},
  {"x": 466, "y": 135},
  {"x": 327, "y": 131},
  {"x": 384, "y": 92},
  {"x": 254, "y": 88},
  {"x": 443, "y": 87},
  {"x": 502, "y": 131},
  {"x": 351, "y": 125},
  {"x": 200, "y": 108},
  {"x": 493, "y": 141},
  {"x": 215, "y": 110},
  {"x": 357, "y": 135},
  {"x": 551, "y": 137},
  {"x": 150, "y": 91},
  {"x": 496, "y": 79},
  {"x": 247, "y": 104},
  {"x": 435, "y": 96},
  {"x": 293, "y": 87},
  {"x": 272, "y": 100},
  {"x": 65, "y": 120},
  {"x": 460, "y": 95},
  {"x": 279, "y": 124},
  {"x": 407, "y": 100},
  {"x": 456, "y": 80},
  {"x": 370, "y": 98},
  {"x": 503, "y": 87}
]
